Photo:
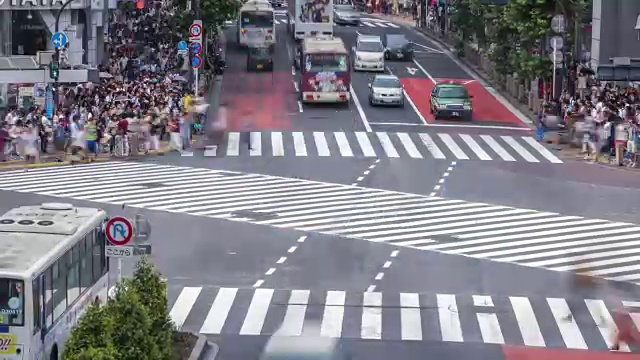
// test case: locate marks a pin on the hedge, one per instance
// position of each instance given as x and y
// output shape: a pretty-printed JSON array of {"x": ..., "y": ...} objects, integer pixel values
[{"x": 133, "y": 325}]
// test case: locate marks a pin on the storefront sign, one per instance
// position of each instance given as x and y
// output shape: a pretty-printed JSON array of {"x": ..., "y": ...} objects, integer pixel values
[{"x": 40, "y": 4}]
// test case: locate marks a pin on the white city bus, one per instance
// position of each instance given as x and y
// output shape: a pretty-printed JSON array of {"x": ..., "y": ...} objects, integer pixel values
[
  {"x": 256, "y": 25},
  {"x": 52, "y": 267}
]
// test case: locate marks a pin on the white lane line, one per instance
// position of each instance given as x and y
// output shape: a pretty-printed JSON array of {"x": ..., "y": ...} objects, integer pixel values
[{"x": 363, "y": 116}]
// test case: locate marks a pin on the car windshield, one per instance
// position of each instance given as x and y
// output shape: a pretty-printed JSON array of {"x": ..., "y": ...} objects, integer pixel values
[
  {"x": 256, "y": 19},
  {"x": 386, "y": 83},
  {"x": 325, "y": 63},
  {"x": 260, "y": 52},
  {"x": 369, "y": 46},
  {"x": 397, "y": 41},
  {"x": 11, "y": 302},
  {"x": 343, "y": 8},
  {"x": 452, "y": 92}
]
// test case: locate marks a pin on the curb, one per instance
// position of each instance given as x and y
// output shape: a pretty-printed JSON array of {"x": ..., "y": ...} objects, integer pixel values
[
  {"x": 212, "y": 351},
  {"x": 199, "y": 348}
]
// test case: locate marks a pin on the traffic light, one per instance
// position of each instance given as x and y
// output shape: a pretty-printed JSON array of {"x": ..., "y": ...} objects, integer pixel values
[{"x": 54, "y": 70}]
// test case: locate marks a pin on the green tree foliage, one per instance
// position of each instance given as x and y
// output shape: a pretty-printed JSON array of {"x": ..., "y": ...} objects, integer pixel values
[
  {"x": 513, "y": 36},
  {"x": 213, "y": 14},
  {"x": 133, "y": 325}
]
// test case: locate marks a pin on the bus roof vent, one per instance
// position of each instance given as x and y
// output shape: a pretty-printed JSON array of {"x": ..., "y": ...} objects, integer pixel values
[{"x": 56, "y": 206}]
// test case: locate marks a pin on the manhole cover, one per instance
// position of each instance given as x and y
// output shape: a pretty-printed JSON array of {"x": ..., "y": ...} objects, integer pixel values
[{"x": 255, "y": 216}]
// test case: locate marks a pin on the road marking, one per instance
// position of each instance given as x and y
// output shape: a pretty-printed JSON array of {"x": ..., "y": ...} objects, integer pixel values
[
  {"x": 527, "y": 322},
  {"x": 363, "y": 116},
  {"x": 450, "y": 325},
  {"x": 453, "y": 147},
  {"x": 433, "y": 80},
  {"x": 473, "y": 145},
  {"x": 568, "y": 328},
  {"x": 333, "y": 314},
  {"x": 428, "y": 48},
  {"x": 300, "y": 108},
  {"x": 542, "y": 150},
  {"x": 493, "y": 144},
  {"x": 343, "y": 144},
  {"x": 256, "y": 144},
  {"x": 365, "y": 144},
  {"x": 520, "y": 149},
  {"x": 371, "y": 316},
  {"x": 217, "y": 316},
  {"x": 366, "y": 173},
  {"x": 321, "y": 144},
  {"x": 431, "y": 146},
  {"x": 409, "y": 146},
  {"x": 441, "y": 181},
  {"x": 276, "y": 143},
  {"x": 294, "y": 317},
  {"x": 257, "y": 312},
  {"x": 387, "y": 145},
  {"x": 182, "y": 307},
  {"x": 300, "y": 147},
  {"x": 233, "y": 144},
  {"x": 410, "y": 318}
]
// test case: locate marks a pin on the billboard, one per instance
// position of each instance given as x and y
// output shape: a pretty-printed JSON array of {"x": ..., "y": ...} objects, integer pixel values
[{"x": 315, "y": 11}]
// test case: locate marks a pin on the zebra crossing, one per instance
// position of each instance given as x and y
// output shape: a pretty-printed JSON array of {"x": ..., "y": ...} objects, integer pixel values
[
  {"x": 527, "y": 237},
  {"x": 510, "y": 320},
  {"x": 280, "y": 19},
  {"x": 441, "y": 146}
]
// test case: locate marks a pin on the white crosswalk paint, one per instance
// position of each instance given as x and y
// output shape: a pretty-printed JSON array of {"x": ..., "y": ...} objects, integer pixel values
[
  {"x": 365, "y": 144},
  {"x": 233, "y": 149},
  {"x": 294, "y": 317},
  {"x": 387, "y": 145},
  {"x": 277, "y": 144},
  {"x": 383, "y": 25},
  {"x": 393, "y": 25},
  {"x": 527, "y": 322},
  {"x": 450, "y": 325},
  {"x": 475, "y": 147},
  {"x": 493, "y": 144},
  {"x": 500, "y": 233},
  {"x": 257, "y": 312},
  {"x": 256, "y": 144},
  {"x": 299, "y": 144},
  {"x": 372, "y": 316},
  {"x": 432, "y": 147},
  {"x": 410, "y": 318},
  {"x": 343, "y": 144},
  {"x": 604, "y": 321},
  {"x": 321, "y": 144},
  {"x": 569, "y": 329},
  {"x": 219, "y": 311},
  {"x": 519, "y": 149},
  {"x": 455, "y": 149},
  {"x": 367, "y": 24},
  {"x": 183, "y": 305},
  {"x": 413, "y": 145},
  {"x": 409, "y": 146},
  {"x": 333, "y": 314}
]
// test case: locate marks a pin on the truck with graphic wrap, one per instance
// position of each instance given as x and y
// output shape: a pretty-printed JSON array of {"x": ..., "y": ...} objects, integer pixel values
[
  {"x": 309, "y": 18},
  {"x": 324, "y": 70}
]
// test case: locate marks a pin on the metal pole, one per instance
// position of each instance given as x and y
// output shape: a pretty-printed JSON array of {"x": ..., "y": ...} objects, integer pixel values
[
  {"x": 195, "y": 91},
  {"x": 57, "y": 52},
  {"x": 553, "y": 80},
  {"x": 119, "y": 269}
]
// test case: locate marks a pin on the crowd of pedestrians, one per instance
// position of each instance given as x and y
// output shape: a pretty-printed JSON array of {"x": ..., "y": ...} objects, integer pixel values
[{"x": 141, "y": 102}]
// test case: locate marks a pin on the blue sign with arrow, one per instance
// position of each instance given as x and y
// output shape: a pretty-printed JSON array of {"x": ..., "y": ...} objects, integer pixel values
[
  {"x": 182, "y": 45},
  {"x": 59, "y": 39},
  {"x": 196, "y": 62},
  {"x": 196, "y": 47}
]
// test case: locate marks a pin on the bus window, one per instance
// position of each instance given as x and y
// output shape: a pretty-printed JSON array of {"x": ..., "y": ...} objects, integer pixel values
[
  {"x": 59, "y": 287},
  {"x": 325, "y": 62},
  {"x": 256, "y": 19},
  {"x": 11, "y": 302},
  {"x": 47, "y": 286},
  {"x": 73, "y": 273},
  {"x": 86, "y": 267},
  {"x": 37, "y": 304}
]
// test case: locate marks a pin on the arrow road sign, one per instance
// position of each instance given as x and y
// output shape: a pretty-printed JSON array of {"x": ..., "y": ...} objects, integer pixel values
[
  {"x": 59, "y": 39},
  {"x": 196, "y": 47},
  {"x": 182, "y": 45},
  {"x": 411, "y": 70},
  {"x": 119, "y": 231},
  {"x": 196, "y": 62}
]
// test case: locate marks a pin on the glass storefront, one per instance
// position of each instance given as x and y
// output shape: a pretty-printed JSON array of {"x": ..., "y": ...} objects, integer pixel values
[{"x": 29, "y": 33}]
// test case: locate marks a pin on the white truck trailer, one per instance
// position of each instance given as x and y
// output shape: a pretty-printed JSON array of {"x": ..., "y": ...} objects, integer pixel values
[{"x": 309, "y": 18}]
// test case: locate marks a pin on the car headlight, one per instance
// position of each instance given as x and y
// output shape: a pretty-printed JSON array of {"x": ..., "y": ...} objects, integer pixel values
[
  {"x": 467, "y": 106},
  {"x": 441, "y": 106}
]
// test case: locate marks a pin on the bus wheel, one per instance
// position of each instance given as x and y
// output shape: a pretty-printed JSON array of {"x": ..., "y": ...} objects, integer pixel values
[{"x": 54, "y": 353}]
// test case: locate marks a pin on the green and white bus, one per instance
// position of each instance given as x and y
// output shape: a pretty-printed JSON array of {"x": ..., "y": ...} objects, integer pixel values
[
  {"x": 256, "y": 24},
  {"x": 52, "y": 267}
]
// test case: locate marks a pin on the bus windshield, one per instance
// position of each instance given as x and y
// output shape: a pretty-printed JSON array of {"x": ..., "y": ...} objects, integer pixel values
[
  {"x": 11, "y": 302},
  {"x": 325, "y": 62},
  {"x": 256, "y": 19}
]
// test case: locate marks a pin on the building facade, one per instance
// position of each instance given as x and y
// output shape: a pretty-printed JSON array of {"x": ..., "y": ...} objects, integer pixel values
[
  {"x": 26, "y": 27},
  {"x": 615, "y": 31}
]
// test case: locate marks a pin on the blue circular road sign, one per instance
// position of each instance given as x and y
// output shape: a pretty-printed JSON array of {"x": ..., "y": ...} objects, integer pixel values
[
  {"x": 196, "y": 47},
  {"x": 59, "y": 39},
  {"x": 196, "y": 62},
  {"x": 182, "y": 45}
]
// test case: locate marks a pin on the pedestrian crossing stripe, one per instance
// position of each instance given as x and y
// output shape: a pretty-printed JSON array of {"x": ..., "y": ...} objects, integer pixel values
[
  {"x": 511, "y": 320},
  {"x": 385, "y": 144},
  {"x": 362, "y": 24},
  {"x": 527, "y": 237}
]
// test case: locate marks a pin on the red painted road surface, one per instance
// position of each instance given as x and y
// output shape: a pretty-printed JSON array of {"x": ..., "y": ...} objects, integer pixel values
[
  {"x": 530, "y": 353},
  {"x": 257, "y": 101},
  {"x": 486, "y": 108}
]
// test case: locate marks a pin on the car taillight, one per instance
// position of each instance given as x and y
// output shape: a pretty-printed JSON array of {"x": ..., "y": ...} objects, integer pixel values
[
  {"x": 309, "y": 97},
  {"x": 343, "y": 96},
  {"x": 269, "y": 31}
]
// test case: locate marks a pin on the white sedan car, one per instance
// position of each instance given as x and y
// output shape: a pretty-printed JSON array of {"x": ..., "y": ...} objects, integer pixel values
[{"x": 368, "y": 54}]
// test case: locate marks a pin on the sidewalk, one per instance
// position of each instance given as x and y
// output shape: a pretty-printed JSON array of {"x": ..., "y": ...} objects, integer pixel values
[{"x": 56, "y": 159}]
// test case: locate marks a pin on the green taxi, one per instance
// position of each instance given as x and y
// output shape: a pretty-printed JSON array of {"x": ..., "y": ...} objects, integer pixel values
[{"x": 450, "y": 100}]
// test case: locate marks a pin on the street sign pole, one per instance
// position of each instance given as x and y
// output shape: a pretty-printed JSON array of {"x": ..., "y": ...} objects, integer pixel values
[
  {"x": 553, "y": 80},
  {"x": 127, "y": 239}
]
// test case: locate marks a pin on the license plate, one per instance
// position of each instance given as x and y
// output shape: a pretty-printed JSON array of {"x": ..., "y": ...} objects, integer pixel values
[
  {"x": 259, "y": 66},
  {"x": 455, "y": 114}
]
